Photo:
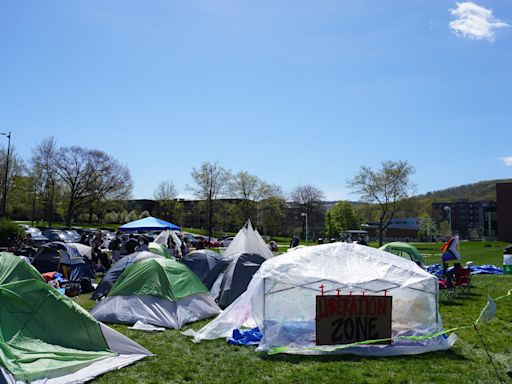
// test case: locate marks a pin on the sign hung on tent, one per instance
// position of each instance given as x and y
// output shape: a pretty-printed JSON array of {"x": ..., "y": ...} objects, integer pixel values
[{"x": 343, "y": 319}]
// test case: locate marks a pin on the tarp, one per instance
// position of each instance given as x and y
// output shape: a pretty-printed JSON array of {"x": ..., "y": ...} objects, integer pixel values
[
  {"x": 205, "y": 264},
  {"x": 404, "y": 250},
  {"x": 148, "y": 224},
  {"x": 46, "y": 337},
  {"x": 247, "y": 240},
  {"x": 280, "y": 300},
  {"x": 487, "y": 269},
  {"x": 117, "y": 269},
  {"x": 160, "y": 292},
  {"x": 14, "y": 268}
]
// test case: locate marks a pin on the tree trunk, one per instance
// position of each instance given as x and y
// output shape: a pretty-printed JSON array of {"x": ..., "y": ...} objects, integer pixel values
[
  {"x": 71, "y": 209},
  {"x": 381, "y": 233}
]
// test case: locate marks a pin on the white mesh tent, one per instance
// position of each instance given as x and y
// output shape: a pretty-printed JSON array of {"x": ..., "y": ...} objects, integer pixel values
[{"x": 280, "y": 300}]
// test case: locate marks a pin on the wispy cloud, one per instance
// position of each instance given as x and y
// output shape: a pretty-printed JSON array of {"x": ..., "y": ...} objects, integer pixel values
[
  {"x": 507, "y": 161},
  {"x": 475, "y": 22}
]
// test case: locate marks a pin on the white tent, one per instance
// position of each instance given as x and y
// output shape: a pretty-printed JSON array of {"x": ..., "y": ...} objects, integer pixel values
[
  {"x": 280, "y": 300},
  {"x": 247, "y": 240}
]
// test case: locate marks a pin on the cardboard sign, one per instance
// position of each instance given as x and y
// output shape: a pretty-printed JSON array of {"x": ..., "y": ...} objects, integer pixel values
[{"x": 349, "y": 319}]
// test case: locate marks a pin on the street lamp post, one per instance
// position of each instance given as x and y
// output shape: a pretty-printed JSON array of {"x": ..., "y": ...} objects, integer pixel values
[
  {"x": 449, "y": 210},
  {"x": 304, "y": 214},
  {"x": 4, "y": 197}
]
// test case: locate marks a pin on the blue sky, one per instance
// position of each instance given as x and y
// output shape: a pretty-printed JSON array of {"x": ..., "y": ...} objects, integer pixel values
[{"x": 295, "y": 92}]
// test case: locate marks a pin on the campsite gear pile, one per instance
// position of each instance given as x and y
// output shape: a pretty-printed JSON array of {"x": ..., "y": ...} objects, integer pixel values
[
  {"x": 281, "y": 299},
  {"x": 158, "y": 291},
  {"x": 46, "y": 337}
]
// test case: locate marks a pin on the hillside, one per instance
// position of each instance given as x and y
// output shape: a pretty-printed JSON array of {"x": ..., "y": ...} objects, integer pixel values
[{"x": 483, "y": 190}]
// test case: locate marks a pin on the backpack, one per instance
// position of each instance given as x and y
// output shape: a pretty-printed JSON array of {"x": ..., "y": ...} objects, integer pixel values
[{"x": 86, "y": 285}]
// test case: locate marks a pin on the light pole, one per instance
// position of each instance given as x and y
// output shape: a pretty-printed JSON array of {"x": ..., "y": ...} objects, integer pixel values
[
  {"x": 4, "y": 197},
  {"x": 304, "y": 214},
  {"x": 449, "y": 210}
]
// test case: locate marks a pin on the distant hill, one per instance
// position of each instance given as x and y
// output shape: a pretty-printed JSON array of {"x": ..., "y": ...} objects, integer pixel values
[{"x": 483, "y": 190}]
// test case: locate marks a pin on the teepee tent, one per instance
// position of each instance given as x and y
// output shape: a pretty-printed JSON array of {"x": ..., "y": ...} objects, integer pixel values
[
  {"x": 45, "y": 337},
  {"x": 160, "y": 292},
  {"x": 247, "y": 240},
  {"x": 67, "y": 258},
  {"x": 117, "y": 269},
  {"x": 205, "y": 264},
  {"x": 281, "y": 300},
  {"x": 14, "y": 268},
  {"x": 405, "y": 250}
]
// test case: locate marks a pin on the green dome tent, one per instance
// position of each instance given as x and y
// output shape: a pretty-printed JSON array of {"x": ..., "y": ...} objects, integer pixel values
[
  {"x": 405, "y": 250},
  {"x": 158, "y": 291},
  {"x": 159, "y": 249},
  {"x": 47, "y": 338},
  {"x": 14, "y": 268}
]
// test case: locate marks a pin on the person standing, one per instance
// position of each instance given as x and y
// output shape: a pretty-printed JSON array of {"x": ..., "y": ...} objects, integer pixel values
[
  {"x": 97, "y": 253},
  {"x": 294, "y": 242},
  {"x": 115, "y": 246}
]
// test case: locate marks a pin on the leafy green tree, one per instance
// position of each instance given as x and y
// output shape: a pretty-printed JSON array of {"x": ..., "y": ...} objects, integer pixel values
[{"x": 386, "y": 187}]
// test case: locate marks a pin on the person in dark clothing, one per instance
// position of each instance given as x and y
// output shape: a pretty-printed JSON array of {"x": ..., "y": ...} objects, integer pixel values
[
  {"x": 200, "y": 244},
  {"x": 130, "y": 245},
  {"x": 294, "y": 241},
  {"x": 96, "y": 244}
]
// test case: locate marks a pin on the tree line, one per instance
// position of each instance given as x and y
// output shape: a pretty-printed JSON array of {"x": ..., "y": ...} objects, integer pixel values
[{"x": 73, "y": 184}]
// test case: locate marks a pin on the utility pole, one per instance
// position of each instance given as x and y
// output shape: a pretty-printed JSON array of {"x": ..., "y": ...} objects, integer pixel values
[
  {"x": 210, "y": 208},
  {"x": 4, "y": 197}
]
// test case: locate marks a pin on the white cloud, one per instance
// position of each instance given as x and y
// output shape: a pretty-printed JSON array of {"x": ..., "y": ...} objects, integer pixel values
[
  {"x": 507, "y": 161},
  {"x": 475, "y": 22}
]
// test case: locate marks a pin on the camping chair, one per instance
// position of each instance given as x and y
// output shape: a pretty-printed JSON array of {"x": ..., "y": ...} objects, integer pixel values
[
  {"x": 446, "y": 288},
  {"x": 462, "y": 281}
]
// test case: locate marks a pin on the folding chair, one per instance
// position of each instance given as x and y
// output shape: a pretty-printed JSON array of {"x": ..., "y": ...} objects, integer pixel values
[
  {"x": 462, "y": 281},
  {"x": 446, "y": 288}
]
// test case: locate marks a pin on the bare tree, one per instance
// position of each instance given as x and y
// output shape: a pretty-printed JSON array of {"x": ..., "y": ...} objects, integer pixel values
[
  {"x": 307, "y": 199},
  {"x": 247, "y": 188},
  {"x": 211, "y": 181},
  {"x": 90, "y": 176},
  {"x": 166, "y": 190},
  {"x": 43, "y": 170},
  {"x": 386, "y": 187}
]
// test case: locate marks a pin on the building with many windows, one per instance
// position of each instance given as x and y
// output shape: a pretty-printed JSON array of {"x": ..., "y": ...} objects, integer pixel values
[{"x": 504, "y": 211}]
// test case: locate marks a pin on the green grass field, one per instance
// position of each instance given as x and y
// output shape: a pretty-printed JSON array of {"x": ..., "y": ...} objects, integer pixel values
[{"x": 178, "y": 360}]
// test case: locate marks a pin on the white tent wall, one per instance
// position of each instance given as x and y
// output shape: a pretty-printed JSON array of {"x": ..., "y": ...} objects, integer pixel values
[
  {"x": 281, "y": 299},
  {"x": 247, "y": 240},
  {"x": 155, "y": 310}
]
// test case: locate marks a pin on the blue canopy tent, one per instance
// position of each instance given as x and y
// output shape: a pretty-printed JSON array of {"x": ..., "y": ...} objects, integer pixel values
[{"x": 148, "y": 224}]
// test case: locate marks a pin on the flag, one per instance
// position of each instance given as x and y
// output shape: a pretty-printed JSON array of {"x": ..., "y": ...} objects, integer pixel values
[{"x": 449, "y": 249}]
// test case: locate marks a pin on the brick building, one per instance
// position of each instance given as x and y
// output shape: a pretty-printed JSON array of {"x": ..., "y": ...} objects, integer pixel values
[{"x": 504, "y": 211}]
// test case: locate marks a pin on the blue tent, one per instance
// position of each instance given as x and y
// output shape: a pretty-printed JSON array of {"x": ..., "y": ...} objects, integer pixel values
[{"x": 148, "y": 224}]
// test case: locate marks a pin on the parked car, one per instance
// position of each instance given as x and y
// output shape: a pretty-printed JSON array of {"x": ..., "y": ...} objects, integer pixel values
[
  {"x": 58, "y": 235},
  {"x": 226, "y": 241}
]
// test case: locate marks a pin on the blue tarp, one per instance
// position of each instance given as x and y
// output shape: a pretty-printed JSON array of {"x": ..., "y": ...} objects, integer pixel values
[
  {"x": 437, "y": 269},
  {"x": 249, "y": 337},
  {"x": 148, "y": 224}
]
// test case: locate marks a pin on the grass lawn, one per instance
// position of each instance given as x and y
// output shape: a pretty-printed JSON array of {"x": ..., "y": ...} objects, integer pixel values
[{"x": 179, "y": 360}]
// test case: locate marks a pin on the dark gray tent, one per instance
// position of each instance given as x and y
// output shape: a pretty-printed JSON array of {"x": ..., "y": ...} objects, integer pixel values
[
  {"x": 70, "y": 259},
  {"x": 205, "y": 264},
  {"x": 116, "y": 270},
  {"x": 237, "y": 277}
]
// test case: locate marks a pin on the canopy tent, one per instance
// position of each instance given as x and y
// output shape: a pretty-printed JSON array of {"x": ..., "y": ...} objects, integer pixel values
[
  {"x": 45, "y": 337},
  {"x": 14, "y": 268},
  {"x": 67, "y": 258},
  {"x": 280, "y": 300},
  {"x": 247, "y": 240},
  {"x": 159, "y": 291},
  {"x": 237, "y": 276},
  {"x": 148, "y": 224},
  {"x": 405, "y": 250},
  {"x": 205, "y": 264},
  {"x": 117, "y": 269}
]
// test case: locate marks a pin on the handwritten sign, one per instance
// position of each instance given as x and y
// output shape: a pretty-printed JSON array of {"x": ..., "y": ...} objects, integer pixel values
[{"x": 343, "y": 319}]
